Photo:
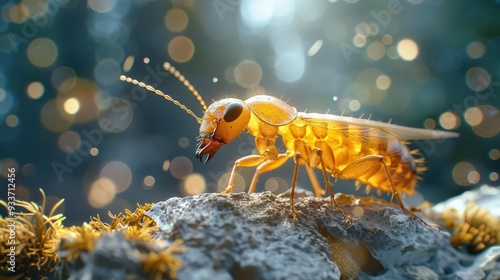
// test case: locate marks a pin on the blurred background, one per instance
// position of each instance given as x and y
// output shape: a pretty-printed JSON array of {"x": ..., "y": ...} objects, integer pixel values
[{"x": 70, "y": 126}]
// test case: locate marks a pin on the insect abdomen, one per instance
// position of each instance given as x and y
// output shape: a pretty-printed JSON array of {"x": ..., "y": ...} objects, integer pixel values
[{"x": 339, "y": 149}]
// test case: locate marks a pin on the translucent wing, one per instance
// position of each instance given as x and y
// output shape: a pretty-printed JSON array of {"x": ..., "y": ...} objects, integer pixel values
[{"x": 367, "y": 129}]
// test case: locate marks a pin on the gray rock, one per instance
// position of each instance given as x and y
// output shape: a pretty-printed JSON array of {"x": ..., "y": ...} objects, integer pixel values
[{"x": 242, "y": 236}]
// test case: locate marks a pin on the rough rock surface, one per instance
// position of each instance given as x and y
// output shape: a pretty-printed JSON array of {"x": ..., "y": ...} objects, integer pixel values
[{"x": 242, "y": 236}]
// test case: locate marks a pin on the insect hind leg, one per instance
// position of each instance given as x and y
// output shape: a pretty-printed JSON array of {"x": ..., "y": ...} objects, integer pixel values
[
  {"x": 400, "y": 201},
  {"x": 368, "y": 164}
]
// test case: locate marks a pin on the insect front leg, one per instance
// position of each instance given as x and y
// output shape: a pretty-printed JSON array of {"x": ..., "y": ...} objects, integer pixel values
[
  {"x": 266, "y": 166},
  {"x": 248, "y": 161}
]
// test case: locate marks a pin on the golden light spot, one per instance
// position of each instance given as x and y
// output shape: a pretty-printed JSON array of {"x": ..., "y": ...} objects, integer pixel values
[
  {"x": 101, "y": 193},
  {"x": 145, "y": 60},
  {"x": 376, "y": 50},
  {"x": 461, "y": 172},
  {"x": 42, "y": 52},
  {"x": 181, "y": 49},
  {"x": 69, "y": 141},
  {"x": 176, "y": 20},
  {"x": 63, "y": 78},
  {"x": 430, "y": 123},
  {"x": 476, "y": 49},
  {"x": 494, "y": 154},
  {"x": 358, "y": 212},
  {"x": 486, "y": 120},
  {"x": 473, "y": 116},
  {"x": 407, "y": 49},
  {"x": 35, "y": 90},
  {"x": 119, "y": 173},
  {"x": 387, "y": 39},
  {"x": 94, "y": 151},
  {"x": 166, "y": 165},
  {"x": 193, "y": 184},
  {"x": 493, "y": 176},
  {"x": 359, "y": 40},
  {"x": 72, "y": 106},
  {"x": 215, "y": 79},
  {"x": 183, "y": 142},
  {"x": 383, "y": 82},
  {"x": 128, "y": 63},
  {"x": 181, "y": 167},
  {"x": 271, "y": 185},
  {"x": 18, "y": 13},
  {"x": 87, "y": 94},
  {"x": 51, "y": 117},
  {"x": 477, "y": 78},
  {"x": 12, "y": 120},
  {"x": 354, "y": 105},
  {"x": 449, "y": 120},
  {"x": 239, "y": 183},
  {"x": 149, "y": 181},
  {"x": 248, "y": 73},
  {"x": 101, "y": 6},
  {"x": 473, "y": 177}
]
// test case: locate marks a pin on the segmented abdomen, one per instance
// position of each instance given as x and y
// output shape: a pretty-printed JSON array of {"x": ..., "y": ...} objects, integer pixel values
[{"x": 342, "y": 144}]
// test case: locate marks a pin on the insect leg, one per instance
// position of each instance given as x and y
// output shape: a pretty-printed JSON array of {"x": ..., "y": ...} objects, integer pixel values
[
  {"x": 370, "y": 163},
  {"x": 248, "y": 161},
  {"x": 329, "y": 185},
  {"x": 398, "y": 197},
  {"x": 318, "y": 191},
  {"x": 292, "y": 190},
  {"x": 267, "y": 166}
]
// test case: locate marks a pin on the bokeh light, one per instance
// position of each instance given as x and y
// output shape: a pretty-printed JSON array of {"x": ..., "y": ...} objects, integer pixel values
[
  {"x": 72, "y": 106},
  {"x": 475, "y": 49},
  {"x": 180, "y": 167},
  {"x": 193, "y": 184},
  {"x": 12, "y": 120},
  {"x": 101, "y": 6},
  {"x": 149, "y": 181},
  {"x": 42, "y": 52},
  {"x": 248, "y": 73},
  {"x": 180, "y": 49},
  {"x": 53, "y": 117},
  {"x": 101, "y": 193},
  {"x": 119, "y": 173},
  {"x": 69, "y": 141},
  {"x": 35, "y": 90},
  {"x": 449, "y": 120},
  {"x": 407, "y": 49},
  {"x": 478, "y": 79},
  {"x": 465, "y": 174},
  {"x": 176, "y": 20},
  {"x": 239, "y": 183}
]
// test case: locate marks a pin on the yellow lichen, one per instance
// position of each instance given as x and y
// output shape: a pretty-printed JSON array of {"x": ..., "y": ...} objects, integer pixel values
[
  {"x": 35, "y": 240},
  {"x": 41, "y": 241}
]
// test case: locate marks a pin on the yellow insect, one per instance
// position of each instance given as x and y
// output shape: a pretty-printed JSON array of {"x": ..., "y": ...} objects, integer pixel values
[{"x": 369, "y": 152}]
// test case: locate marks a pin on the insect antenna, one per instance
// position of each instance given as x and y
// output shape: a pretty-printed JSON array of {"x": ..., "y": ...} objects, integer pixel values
[
  {"x": 167, "y": 66},
  {"x": 166, "y": 96}
]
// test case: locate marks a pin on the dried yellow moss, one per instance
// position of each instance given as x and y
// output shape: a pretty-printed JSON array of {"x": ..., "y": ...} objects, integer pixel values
[{"x": 39, "y": 237}]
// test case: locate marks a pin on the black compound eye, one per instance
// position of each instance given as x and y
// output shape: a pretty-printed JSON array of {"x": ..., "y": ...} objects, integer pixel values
[{"x": 232, "y": 112}]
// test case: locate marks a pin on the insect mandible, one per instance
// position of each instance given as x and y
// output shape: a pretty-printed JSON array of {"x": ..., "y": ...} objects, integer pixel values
[{"x": 369, "y": 152}]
